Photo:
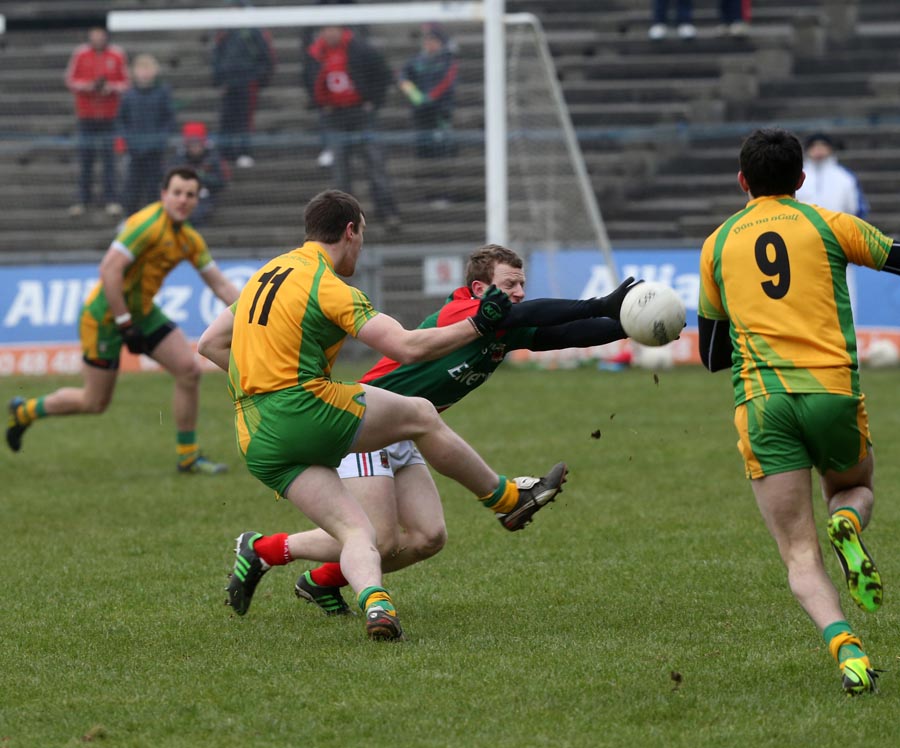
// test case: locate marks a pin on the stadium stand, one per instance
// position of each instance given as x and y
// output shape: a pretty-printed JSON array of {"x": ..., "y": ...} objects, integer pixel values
[{"x": 658, "y": 121}]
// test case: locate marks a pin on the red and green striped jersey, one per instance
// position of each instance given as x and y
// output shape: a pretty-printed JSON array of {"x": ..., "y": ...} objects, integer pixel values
[
  {"x": 451, "y": 377},
  {"x": 156, "y": 245},
  {"x": 290, "y": 321},
  {"x": 777, "y": 271}
]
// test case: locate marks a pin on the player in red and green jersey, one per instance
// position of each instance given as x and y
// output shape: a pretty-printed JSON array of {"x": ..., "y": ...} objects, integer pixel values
[
  {"x": 294, "y": 423},
  {"x": 775, "y": 307},
  {"x": 394, "y": 485},
  {"x": 120, "y": 310}
]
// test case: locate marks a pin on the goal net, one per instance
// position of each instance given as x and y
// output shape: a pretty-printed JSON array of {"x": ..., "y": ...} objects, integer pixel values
[{"x": 420, "y": 162}]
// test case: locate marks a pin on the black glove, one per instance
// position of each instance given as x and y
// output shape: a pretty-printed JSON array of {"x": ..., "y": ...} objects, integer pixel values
[
  {"x": 611, "y": 304},
  {"x": 132, "y": 337},
  {"x": 492, "y": 310}
]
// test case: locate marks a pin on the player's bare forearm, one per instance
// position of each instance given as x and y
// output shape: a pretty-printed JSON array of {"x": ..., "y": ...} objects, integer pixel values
[
  {"x": 387, "y": 336},
  {"x": 112, "y": 276},
  {"x": 215, "y": 342},
  {"x": 219, "y": 284}
]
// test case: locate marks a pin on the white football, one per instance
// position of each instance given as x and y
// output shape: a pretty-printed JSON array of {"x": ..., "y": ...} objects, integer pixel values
[{"x": 652, "y": 314}]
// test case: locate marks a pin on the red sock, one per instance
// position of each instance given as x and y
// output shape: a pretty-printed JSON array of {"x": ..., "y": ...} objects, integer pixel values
[
  {"x": 328, "y": 575},
  {"x": 273, "y": 549}
]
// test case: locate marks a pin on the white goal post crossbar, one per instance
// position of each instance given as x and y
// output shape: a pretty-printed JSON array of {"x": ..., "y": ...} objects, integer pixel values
[
  {"x": 290, "y": 15},
  {"x": 490, "y": 13}
]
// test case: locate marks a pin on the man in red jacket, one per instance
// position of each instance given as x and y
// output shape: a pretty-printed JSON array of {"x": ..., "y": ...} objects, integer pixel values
[
  {"x": 347, "y": 80},
  {"x": 97, "y": 75}
]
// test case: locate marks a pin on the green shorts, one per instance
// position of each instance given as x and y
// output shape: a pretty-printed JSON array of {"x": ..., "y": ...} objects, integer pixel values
[
  {"x": 282, "y": 433},
  {"x": 101, "y": 341},
  {"x": 782, "y": 432}
]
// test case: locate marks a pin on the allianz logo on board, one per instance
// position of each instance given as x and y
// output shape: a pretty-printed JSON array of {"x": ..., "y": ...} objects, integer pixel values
[
  {"x": 50, "y": 302},
  {"x": 686, "y": 285}
]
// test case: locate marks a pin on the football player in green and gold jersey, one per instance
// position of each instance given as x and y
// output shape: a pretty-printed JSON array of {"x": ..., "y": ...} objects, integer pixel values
[
  {"x": 120, "y": 310},
  {"x": 294, "y": 423},
  {"x": 775, "y": 307}
]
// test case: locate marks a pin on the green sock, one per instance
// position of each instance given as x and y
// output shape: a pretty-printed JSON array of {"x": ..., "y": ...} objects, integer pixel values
[
  {"x": 187, "y": 448},
  {"x": 186, "y": 438},
  {"x": 29, "y": 411},
  {"x": 376, "y": 596},
  {"x": 496, "y": 495},
  {"x": 847, "y": 651},
  {"x": 850, "y": 513}
]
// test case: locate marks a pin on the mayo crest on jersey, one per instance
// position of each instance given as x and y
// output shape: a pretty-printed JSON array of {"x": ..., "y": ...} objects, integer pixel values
[
  {"x": 777, "y": 271},
  {"x": 454, "y": 375}
]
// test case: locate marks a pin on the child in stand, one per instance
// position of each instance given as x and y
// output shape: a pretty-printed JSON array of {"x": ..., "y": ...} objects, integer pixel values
[{"x": 199, "y": 152}]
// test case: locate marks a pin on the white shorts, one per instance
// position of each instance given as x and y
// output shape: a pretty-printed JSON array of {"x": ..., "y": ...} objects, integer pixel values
[{"x": 384, "y": 462}]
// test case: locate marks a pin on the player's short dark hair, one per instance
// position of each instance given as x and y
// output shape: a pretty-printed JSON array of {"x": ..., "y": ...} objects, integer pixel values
[
  {"x": 327, "y": 215},
  {"x": 185, "y": 172},
  {"x": 483, "y": 260},
  {"x": 771, "y": 162}
]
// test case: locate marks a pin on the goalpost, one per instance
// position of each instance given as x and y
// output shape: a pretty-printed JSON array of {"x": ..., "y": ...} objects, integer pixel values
[{"x": 537, "y": 194}]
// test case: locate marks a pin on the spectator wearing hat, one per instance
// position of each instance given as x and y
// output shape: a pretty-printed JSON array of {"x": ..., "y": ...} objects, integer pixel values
[
  {"x": 428, "y": 79},
  {"x": 829, "y": 184},
  {"x": 197, "y": 151},
  {"x": 145, "y": 121}
]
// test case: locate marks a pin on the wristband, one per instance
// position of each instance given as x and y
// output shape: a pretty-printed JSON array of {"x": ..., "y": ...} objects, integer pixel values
[
  {"x": 475, "y": 325},
  {"x": 123, "y": 319}
]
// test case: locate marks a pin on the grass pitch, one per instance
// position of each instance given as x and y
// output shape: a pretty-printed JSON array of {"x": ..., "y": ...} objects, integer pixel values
[{"x": 645, "y": 607}]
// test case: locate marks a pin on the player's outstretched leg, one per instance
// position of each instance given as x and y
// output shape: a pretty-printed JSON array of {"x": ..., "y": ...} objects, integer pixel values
[
  {"x": 15, "y": 426},
  {"x": 248, "y": 570},
  {"x": 534, "y": 493},
  {"x": 863, "y": 579},
  {"x": 328, "y": 599}
]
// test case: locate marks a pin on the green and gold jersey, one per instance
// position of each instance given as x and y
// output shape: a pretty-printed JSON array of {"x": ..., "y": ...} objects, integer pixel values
[
  {"x": 156, "y": 246},
  {"x": 777, "y": 271},
  {"x": 290, "y": 321}
]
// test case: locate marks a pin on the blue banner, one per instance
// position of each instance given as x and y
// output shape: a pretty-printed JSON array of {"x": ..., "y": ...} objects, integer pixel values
[{"x": 40, "y": 304}]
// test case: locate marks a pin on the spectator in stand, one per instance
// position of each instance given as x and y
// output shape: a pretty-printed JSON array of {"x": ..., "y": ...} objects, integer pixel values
[
  {"x": 735, "y": 15},
  {"x": 348, "y": 81},
  {"x": 97, "y": 75},
  {"x": 429, "y": 81},
  {"x": 307, "y": 36},
  {"x": 243, "y": 63},
  {"x": 145, "y": 122},
  {"x": 199, "y": 153},
  {"x": 684, "y": 18},
  {"x": 829, "y": 184}
]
